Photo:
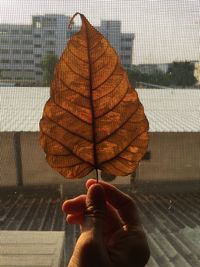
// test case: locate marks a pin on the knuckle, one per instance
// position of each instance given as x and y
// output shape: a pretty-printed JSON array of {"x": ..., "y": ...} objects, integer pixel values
[{"x": 92, "y": 211}]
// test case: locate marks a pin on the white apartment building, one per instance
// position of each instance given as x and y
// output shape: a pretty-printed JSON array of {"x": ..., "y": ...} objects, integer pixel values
[
  {"x": 122, "y": 42},
  {"x": 22, "y": 47},
  {"x": 49, "y": 36},
  {"x": 16, "y": 52}
]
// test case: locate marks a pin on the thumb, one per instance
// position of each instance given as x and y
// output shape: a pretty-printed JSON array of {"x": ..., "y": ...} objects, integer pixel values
[
  {"x": 95, "y": 209},
  {"x": 90, "y": 248}
]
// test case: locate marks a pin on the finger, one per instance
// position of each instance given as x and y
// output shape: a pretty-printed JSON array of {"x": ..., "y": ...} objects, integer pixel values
[
  {"x": 75, "y": 205},
  {"x": 120, "y": 201},
  {"x": 95, "y": 209},
  {"x": 75, "y": 218},
  {"x": 113, "y": 220}
]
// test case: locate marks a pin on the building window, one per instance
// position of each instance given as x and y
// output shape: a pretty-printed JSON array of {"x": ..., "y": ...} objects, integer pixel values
[
  {"x": 14, "y": 31},
  {"x": 27, "y": 52},
  {"x": 16, "y": 51},
  {"x": 38, "y": 65},
  {"x": 15, "y": 41},
  {"x": 37, "y": 45},
  {"x": 4, "y": 51},
  {"x": 4, "y": 41},
  {"x": 29, "y": 71},
  {"x": 126, "y": 39},
  {"x": 3, "y": 31},
  {"x": 27, "y": 32},
  {"x": 6, "y": 73},
  {"x": 39, "y": 73},
  {"x": 49, "y": 33},
  {"x": 28, "y": 42},
  {"x": 37, "y": 35},
  {"x": 28, "y": 62},
  {"x": 125, "y": 57},
  {"x": 38, "y": 55},
  {"x": 5, "y": 61},
  {"x": 126, "y": 48},
  {"x": 50, "y": 52},
  {"x": 50, "y": 43},
  {"x": 17, "y": 61},
  {"x": 49, "y": 22},
  {"x": 38, "y": 24}
]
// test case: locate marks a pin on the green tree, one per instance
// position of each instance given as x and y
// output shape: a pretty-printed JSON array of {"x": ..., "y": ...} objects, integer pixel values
[
  {"x": 48, "y": 64},
  {"x": 134, "y": 76},
  {"x": 158, "y": 77},
  {"x": 182, "y": 74}
]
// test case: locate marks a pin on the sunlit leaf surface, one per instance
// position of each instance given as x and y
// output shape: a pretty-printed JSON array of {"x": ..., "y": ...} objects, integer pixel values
[{"x": 93, "y": 118}]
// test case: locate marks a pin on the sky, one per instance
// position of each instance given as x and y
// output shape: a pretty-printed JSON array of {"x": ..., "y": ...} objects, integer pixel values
[{"x": 165, "y": 30}]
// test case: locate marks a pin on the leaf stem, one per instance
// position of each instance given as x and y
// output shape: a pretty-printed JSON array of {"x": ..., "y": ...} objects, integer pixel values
[{"x": 97, "y": 175}]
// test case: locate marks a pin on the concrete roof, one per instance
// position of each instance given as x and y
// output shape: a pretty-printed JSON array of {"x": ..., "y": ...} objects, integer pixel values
[
  {"x": 171, "y": 221},
  {"x": 168, "y": 110},
  {"x": 32, "y": 248},
  {"x": 172, "y": 110}
]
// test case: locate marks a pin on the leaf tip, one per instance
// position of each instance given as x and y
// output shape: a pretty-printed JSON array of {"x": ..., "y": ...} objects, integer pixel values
[{"x": 72, "y": 18}]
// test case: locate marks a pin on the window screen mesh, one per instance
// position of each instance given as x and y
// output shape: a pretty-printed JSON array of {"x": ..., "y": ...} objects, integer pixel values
[{"x": 158, "y": 42}]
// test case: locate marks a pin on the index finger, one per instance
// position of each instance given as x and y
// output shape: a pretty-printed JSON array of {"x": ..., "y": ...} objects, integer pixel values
[{"x": 124, "y": 204}]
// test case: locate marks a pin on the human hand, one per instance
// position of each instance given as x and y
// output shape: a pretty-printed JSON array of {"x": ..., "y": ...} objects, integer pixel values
[{"x": 111, "y": 231}]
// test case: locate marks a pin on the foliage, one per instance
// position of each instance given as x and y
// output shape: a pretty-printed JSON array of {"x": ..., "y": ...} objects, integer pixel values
[
  {"x": 48, "y": 64},
  {"x": 182, "y": 74},
  {"x": 179, "y": 74},
  {"x": 158, "y": 77}
]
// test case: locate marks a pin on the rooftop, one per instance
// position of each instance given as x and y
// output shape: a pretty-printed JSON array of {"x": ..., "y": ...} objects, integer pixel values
[
  {"x": 171, "y": 221},
  {"x": 168, "y": 110}
]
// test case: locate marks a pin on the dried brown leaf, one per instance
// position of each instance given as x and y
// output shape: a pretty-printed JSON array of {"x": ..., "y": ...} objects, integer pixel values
[{"x": 93, "y": 118}]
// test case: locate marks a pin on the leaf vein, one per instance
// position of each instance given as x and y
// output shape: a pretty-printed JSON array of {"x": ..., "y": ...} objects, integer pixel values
[
  {"x": 106, "y": 137},
  {"x": 125, "y": 147},
  {"x": 93, "y": 47},
  {"x": 75, "y": 71},
  {"x": 66, "y": 148},
  {"x": 110, "y": 91},
  {"x": 70, "y": 89},
  {"x": 70, "y": 51},
  {"x": 116, "y": 65},
  {"x": 69, "y": 166},
  {"x": 118, "y": 103},
  {"x": 71, "y": 132},
  {"x": 100, "y": 55},
  {"x": 70, "y": 112}
]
